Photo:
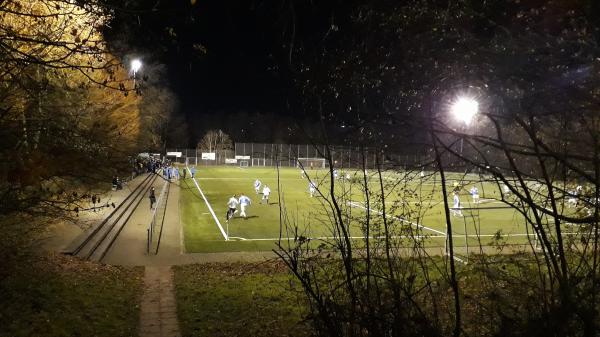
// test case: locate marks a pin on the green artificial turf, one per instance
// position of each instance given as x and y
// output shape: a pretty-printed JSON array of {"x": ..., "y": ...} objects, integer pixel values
[
  {"x": 218, "y": 184},
  {"x": 415, "y": 202}
]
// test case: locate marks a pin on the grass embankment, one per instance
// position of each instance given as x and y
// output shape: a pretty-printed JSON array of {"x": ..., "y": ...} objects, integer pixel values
[
  {"x": 63, "y": 296},
  {"x": 237, "y": 300}
]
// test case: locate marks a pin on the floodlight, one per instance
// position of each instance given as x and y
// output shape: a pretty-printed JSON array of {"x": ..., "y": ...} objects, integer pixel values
[
  {"x": 136, "y": 64},
  {"x": 464, "y": 109}
]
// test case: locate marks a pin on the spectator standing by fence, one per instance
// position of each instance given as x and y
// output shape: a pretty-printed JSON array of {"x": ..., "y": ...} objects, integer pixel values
[{"x": 152, "y": 198}]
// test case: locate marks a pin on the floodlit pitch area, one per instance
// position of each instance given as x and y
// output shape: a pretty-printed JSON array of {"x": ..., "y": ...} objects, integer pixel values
[{"x": 413, "y": 203}]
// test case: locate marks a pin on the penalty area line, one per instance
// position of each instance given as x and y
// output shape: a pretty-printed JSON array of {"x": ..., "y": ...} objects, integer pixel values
[
  {"x": 354, "y": 204},
  {"x": 209, "y": 207}
]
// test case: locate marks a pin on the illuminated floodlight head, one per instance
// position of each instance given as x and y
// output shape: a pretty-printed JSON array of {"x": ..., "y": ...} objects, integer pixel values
[
  {"x": 136, "y": 64},
  {"x": 464, "y": 109}
]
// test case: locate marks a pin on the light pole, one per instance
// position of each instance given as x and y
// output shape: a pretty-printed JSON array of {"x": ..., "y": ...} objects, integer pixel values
[
  {"x": 136, "y": 65},
  {"x": 464, "y": 109}
]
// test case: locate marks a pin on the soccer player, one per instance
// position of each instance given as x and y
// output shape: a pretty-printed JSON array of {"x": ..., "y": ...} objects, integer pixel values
[
  {"x": 573, "y": 196},
  {"x": 257, "y": 184},
  {"x": 244, "y": 202},
  {"x": 312, "y": 189},
  {"x": 475, "y": 194},
  {"x": 335, "y": 174},
  {"x": 232, "y": 207},
  {"x": 456, "y": 209},
  {"x": 266, "y": 192}
]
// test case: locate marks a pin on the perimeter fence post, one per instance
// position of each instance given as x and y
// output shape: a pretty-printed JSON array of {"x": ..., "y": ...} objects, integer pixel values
[{"x": 148, "y": 241}]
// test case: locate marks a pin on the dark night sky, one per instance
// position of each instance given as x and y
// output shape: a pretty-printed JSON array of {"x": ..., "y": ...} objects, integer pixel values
[
  {"x": 234, "y": 72},
  {"x": 228, "y": 62},
  {"x": 222, "y": 58}
]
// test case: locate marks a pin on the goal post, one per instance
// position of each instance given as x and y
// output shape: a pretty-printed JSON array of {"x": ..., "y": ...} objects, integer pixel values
[
  {"x": 258, "y": 162},
  {"x": 309, "y": 163},
  {"x": 189, "y": 161},
  {"x": 243, "y": 163}
]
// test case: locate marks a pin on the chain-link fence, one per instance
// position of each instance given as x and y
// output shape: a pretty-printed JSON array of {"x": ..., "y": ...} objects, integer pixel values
[{"x": 290, "y": 155}]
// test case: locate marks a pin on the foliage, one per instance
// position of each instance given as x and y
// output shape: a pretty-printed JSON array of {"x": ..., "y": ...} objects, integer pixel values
[
  {"x": 61, "y": 123},
  {"x": 158, "y": 114},
  {"x": 384, "y": 69},
  {"x": 68, "y": 117},
  {"x": 215, "y": 140}
]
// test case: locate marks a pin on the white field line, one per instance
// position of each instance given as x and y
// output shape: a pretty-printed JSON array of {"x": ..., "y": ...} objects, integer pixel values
[
  {"x": 429, "y": 202},
  {"x": 391, "y": 237},
  {"x": 209, "y": 207},
  {"x": 354, "y": 204},
  {"x": 379, "y": 237},
  {"x": 234, "y": 178}
]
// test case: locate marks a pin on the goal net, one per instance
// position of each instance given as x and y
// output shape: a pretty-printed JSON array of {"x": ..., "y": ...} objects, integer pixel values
[
  {"x": 189, "y": 161},
  {"x": 258, "y": 162},
  {"x": 310, "y": 163},
  {"x": 243, "y": 163}
]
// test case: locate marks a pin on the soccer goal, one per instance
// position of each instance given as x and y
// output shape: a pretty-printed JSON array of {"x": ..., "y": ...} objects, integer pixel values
[
  {"x": 258, "y": 162},
  {"x": 243, "y": 163},
  {"x": 309, "y": 163},
  {"x": 189, "y": 161}
]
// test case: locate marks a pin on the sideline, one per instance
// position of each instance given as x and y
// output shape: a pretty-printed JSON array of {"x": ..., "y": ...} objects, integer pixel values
[
  {"x": 208, "y": 205},
  {"x": 379, "y": 237}
]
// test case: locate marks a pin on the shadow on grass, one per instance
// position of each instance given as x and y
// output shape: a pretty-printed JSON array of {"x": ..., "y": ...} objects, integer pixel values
[{"x": 269, "y": 204}]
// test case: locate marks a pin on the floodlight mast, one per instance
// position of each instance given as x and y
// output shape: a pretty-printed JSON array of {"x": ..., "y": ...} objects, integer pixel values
[
  {"x": 136, "y": 65},
  {"x": 464, "y": 109}
]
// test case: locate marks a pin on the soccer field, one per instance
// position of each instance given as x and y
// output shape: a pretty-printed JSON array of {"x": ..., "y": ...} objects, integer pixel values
[{"x": 418, "y": 206}]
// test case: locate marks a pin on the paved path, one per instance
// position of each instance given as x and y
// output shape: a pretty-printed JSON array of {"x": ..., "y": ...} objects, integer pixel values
[
  {"x": 130, "y": 247},
  {"x": 65, "y": 235},
  {"x": 158, "y": 313}
]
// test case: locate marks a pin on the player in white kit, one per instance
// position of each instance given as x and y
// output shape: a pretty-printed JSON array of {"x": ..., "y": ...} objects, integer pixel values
[
  {"x": 257, "y": 184},
  {"x": 244, "y": 202},
  {"x": 456, "y": 209},
  {"x": 312, "y": 189},
  {"x": 266, "y": 192},
  {"x": 232, "y": 207}
]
